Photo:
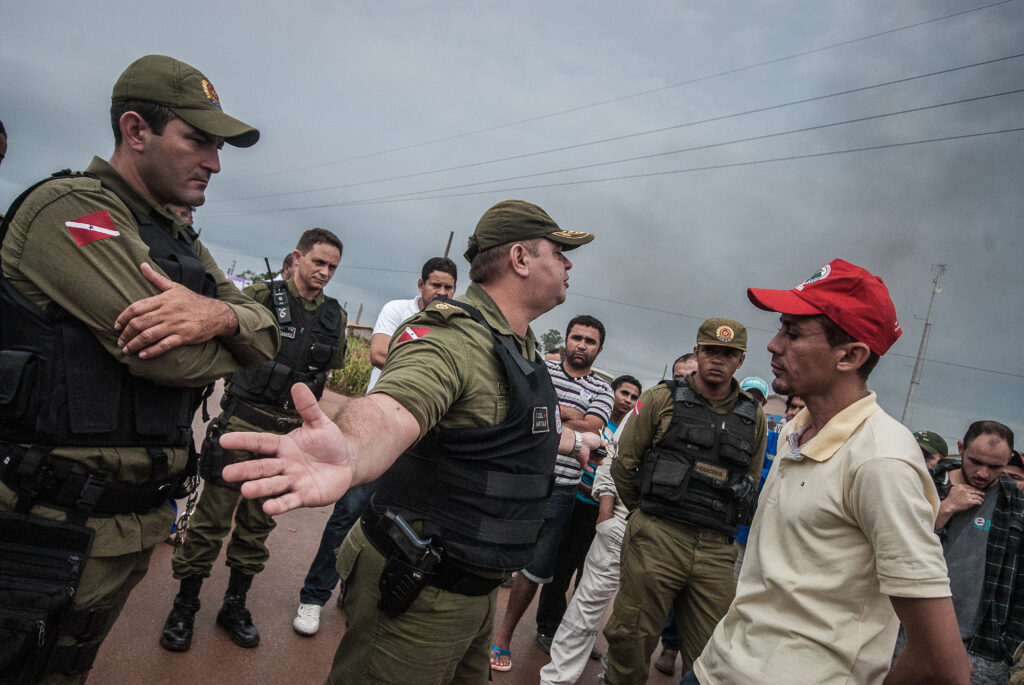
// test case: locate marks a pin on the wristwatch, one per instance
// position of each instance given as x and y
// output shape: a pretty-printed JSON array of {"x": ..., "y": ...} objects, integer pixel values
[{"x": 577, "y": 444}]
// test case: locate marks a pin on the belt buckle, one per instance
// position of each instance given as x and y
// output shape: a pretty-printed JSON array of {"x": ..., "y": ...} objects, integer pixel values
[{"x": 95, "y": 484}]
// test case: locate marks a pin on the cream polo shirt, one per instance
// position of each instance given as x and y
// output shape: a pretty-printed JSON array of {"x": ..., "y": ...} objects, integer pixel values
[{"x": 843, "y": 522}]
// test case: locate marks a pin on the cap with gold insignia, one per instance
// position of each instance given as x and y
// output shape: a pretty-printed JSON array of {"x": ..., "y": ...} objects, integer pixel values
[
  {"x": 723, "y": 333},
  {"x": 189, "y": 94},
  {"x": 513, "y": 220}
]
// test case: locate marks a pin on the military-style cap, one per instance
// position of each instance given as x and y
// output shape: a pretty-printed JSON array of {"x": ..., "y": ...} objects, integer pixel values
[
  {"x": 724, "y": 333},
  {"x": 189, "y": 94},
  {"x": 931, "y": 443},
  {"x": 513, "y": 220}
]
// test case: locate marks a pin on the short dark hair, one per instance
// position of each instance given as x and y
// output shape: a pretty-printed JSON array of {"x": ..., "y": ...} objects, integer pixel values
[
  {"x": 789, "y": 401},
  {"x": 288, "y": 260},
  {"x": 487, "y": 263},
  {"x": 3, "y": 131},
  {"x": 835, "y": 336},
  {"x": 988, "y": 428},
  {"x": 310, "y": 238},
  {"x": 442, "y": 264},
  {"x": 626, "y": 379},
  {"x": 590, "y": 322},
  {"x": 684, "y": 358},
  {"x": 154, "y": 114}
]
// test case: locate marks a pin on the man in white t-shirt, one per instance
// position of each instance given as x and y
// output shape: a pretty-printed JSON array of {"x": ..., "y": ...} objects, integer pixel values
[{"x": 437, "y": 279}]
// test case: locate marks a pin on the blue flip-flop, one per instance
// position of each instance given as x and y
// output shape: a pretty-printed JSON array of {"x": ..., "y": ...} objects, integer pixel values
[{"x": 497, "y": 651}]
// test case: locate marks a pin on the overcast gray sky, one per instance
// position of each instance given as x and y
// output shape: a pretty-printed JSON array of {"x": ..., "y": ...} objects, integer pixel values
[{"x": 393, "y": 123}]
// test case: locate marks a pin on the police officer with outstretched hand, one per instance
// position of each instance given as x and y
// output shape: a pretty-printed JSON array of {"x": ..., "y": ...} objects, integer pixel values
[
  {"x": 463, "y": 426},
  {"x": 113, "y": 318}
]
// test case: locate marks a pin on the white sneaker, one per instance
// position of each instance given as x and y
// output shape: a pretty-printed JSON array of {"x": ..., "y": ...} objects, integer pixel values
[{"x": 307, "y": 622}]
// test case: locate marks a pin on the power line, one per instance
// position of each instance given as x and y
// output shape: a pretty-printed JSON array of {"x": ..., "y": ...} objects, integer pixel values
[
  {"x": 627, "y": 136},
  {"x": 621, "y": 98},
  {"x": 706, "y": 146},
  {"x": 650, "y": 174}
]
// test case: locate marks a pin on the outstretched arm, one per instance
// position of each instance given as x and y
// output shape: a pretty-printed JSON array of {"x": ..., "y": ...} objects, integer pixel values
[{"x": 317, "y": 463}]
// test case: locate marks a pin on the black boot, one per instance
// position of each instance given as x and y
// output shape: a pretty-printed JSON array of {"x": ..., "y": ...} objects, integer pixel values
[
  {"x": 233, "y": 616},
  {"x": 177, "y": 633}
]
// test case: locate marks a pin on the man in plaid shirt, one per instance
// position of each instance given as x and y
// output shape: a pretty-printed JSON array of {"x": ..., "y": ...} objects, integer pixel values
[{"x": 980, "y": 522}]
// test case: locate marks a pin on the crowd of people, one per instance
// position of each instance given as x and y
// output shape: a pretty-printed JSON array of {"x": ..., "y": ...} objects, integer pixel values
[{"x": 830, "y": 545}]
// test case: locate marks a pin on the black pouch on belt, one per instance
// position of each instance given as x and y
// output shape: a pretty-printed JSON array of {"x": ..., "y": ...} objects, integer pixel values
[{"x": 41, "y": 564}]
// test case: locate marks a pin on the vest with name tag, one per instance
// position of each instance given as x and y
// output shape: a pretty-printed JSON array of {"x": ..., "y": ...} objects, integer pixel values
[{"x": 697, "y": 472}]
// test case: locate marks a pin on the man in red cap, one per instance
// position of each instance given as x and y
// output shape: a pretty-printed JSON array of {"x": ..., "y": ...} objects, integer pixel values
[{"x": 842, "y": 547}]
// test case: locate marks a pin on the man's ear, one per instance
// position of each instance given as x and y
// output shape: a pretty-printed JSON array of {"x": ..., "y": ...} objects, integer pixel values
[
  {"x": 519, "y": 256},
  {"x": 852, "y": 356},
  {"x": 134, "y": 130}
]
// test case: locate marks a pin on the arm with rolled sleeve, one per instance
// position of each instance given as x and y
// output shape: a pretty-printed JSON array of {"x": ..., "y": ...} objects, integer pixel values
[
  {"x": 97, "y": 281},
  {"x": 258, "y": 338}
]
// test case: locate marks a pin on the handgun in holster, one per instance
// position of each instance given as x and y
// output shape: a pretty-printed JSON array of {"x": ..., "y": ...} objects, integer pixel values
[
  {"x": 412, "y": 562},
  {"x": 212, "y": 457}
]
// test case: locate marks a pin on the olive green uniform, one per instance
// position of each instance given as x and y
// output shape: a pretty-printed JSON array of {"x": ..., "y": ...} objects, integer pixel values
[
  {"x": 448, "y": 377},
  {"x": 95, "y": 283},
  {"x": 247, "y": 551},
  {"x": 665, "y": 562}
]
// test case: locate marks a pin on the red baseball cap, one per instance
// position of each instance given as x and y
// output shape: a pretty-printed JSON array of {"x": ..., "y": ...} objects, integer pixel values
[{"x": 853, "y": 298}]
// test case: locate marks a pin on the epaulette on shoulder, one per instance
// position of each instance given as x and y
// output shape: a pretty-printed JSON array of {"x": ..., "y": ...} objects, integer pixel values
[{"x": 444, "y": 310}]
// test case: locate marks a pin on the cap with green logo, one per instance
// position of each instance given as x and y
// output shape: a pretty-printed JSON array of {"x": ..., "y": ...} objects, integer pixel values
[
  {"x": 723, "y": 333},
  {"x": 932, "y": 443},
  {"x": 189, "y": 94},
  {"x": 510, "y": 221}
]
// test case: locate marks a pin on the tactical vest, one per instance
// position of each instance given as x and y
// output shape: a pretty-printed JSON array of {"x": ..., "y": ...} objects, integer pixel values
[
  {"x": 309, "y": 340},
  {"x": 60, "y": 387},
  {"x": 482, "y": 491},
  {"x": 697, "y": 473}
]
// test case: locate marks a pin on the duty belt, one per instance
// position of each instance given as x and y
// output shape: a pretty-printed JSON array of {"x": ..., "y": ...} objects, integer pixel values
[
  {"x": 39, "y": 477},
  {"x": 259, "y": 418},
  {"x": 449, "y": 576}
]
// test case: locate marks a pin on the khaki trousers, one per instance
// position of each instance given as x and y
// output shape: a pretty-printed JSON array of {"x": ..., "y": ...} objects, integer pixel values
[
  {"x": 442, "y": 638},
  {"x": 665, "y": 563}
]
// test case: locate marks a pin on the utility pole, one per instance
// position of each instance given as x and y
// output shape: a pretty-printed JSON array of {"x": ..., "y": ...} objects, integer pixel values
[
  {"x": 915, "y": 379},
  {"x": 451, "y": 234}
]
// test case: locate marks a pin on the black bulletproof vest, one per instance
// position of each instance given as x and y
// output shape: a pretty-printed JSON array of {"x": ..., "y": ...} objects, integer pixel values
[
  {"x": 59, "y": 386},
  {"x": 309, "y": 340},
  {"x": 697, "y": 473},
  {"x": 482, "y": 490}
]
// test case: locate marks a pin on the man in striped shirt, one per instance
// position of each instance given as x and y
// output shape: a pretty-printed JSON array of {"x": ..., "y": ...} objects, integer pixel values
[{"x": 585, "y": 403}]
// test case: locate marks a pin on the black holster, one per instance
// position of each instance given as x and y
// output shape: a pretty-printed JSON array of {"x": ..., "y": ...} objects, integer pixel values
[
  {"x": 41, "y": 563},
  {"x": 212, "y": 457},
  {"x": 411, "y": 561}
]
